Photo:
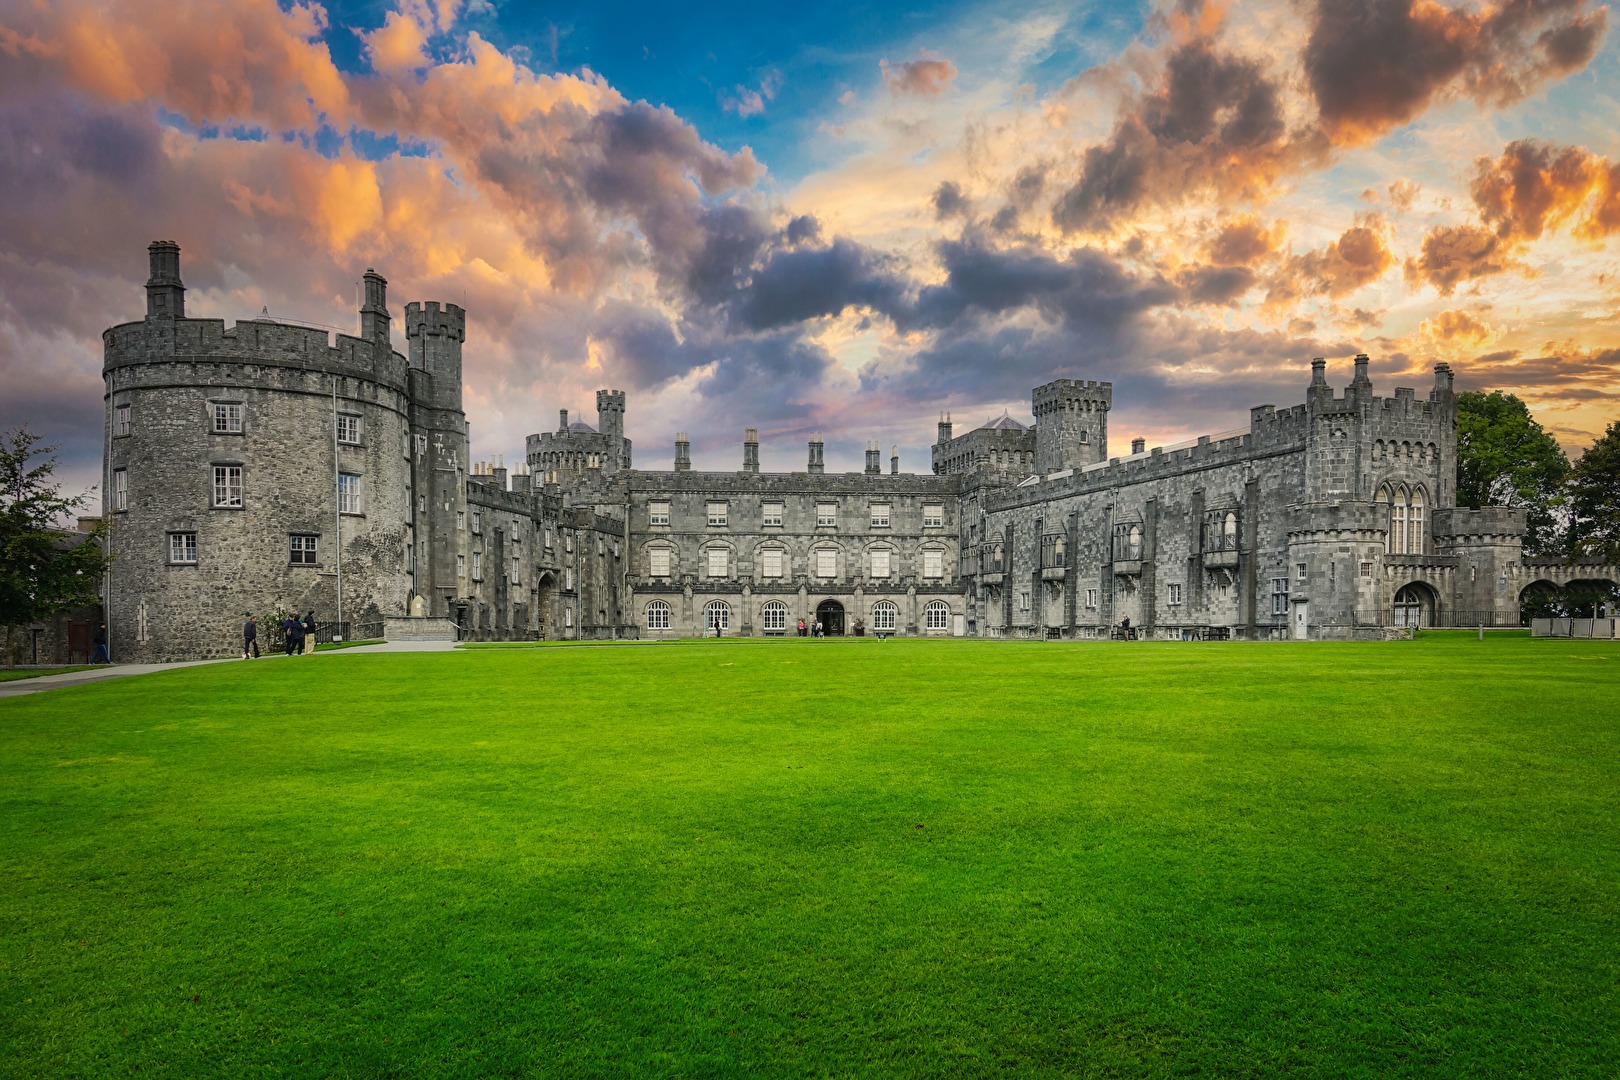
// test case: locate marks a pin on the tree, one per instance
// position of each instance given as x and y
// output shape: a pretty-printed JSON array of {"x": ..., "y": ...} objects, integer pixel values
[
  {"x": 1505, "y": 458},
  {"x": 1594, "y": 497},
  {"x": 44, "y": 568}
]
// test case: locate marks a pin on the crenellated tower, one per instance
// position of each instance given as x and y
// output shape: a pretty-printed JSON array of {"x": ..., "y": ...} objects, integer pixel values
[
  {"x": 1071, "y": 423},
  {"x": 438, "y": 450}
]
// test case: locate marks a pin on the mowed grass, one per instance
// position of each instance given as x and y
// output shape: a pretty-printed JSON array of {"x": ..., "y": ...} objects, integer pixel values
[{"x": 822, "y": 858}]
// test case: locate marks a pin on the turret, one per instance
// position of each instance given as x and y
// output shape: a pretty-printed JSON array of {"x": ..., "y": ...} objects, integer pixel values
[
  {"x": 434, "y": 334},
  {"x": 750, "y": 450},
  {"x": 165, "y": 294},
  {"x": 1071, "y": 423},
  {"x": 610, "y": 422},
  {"x": 816, "y": 465},
  {"x": 562, "y": 421}
]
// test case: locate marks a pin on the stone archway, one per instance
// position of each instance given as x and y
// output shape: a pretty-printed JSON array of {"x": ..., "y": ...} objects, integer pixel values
[
  {"x": 1415, "y": 605},
  {"x": 830, "y": 613}
]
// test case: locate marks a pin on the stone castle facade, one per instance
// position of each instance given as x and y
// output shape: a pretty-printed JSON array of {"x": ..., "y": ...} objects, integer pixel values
[{"x": 271, "y": 467}]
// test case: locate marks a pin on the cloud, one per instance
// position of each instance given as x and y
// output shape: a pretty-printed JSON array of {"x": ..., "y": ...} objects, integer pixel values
[
  {"x": 748, "y": 101},
  {"x": 1357, "y": 258},
  {"x": 1453, "y": 254},
  {"x": 1373, "y": 65},
  {"x": 949, "y": 200},
  {"x": 1242, "y": 240},
  {"x": 928, "y": 76},
  {"x": 1455, "y": 327}
]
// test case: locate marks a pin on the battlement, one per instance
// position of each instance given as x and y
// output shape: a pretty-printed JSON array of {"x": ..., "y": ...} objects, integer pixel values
[
  {"x": 249, "y": 341},
  {"x": 1094, "y": 395},
  {"x": 431, "y": 318},
  {"x": 1488, "y": 522},
  {"x": 609, "y": 401}
]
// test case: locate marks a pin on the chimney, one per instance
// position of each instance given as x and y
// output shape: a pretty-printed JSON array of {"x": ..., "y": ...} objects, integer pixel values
[
  {"x": 500, "y": 472},
  {"x": 1442, "y": 382},
  {"x": 165, "y": 293},
  {"x": 944, "y": 427},
  {"x": 374, "y": 314},
  {"x": 1319, "y": 371},
  {"x": 873, "y": 465},
  {"x": 750, "y": 450},
  {"x": 683, "y": 452},
  {"x": 562, "y": 421},
  {"x": 894, "y": 461},
  {"x": 1138, "y": 445},
  {"x": 1361, "y": 371},
  {"x": 520, "y": 480},
  {"x": 817, "y": 465}
]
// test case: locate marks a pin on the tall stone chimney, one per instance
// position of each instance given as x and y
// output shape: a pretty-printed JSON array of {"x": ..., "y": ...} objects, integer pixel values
[
  {"x": 1138, "y": 445},
  {"x": 683, "y": 452},
  {"x": 750, "y": 450},
  {"x": 873, "y": 465},
  {"x": 894, "y": 461},
  {"x": 817, "y": 465}
]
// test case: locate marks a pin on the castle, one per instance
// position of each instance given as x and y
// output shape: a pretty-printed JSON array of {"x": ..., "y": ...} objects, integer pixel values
[{"x": 272, "y": 467}]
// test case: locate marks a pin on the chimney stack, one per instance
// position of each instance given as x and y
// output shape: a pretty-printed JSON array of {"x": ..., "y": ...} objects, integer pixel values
[
  {"x": 1442, "y": 382},
  {"x": 1361, "y": 378},
  {"x": 817, "y": 465},
  {"x": 500, "y": 472},
  {"x": 894, "y": 461},
  {"x": 944, "y": 427},
  {"x": 873, "y": 465},
  {"x": 750, "y": 450},
  {"x": 1319, "y": 371},
  {"x": 683, "y": 452},
  {"x": 562, "y": 421},
  {"x": 1138, "y": 445}
]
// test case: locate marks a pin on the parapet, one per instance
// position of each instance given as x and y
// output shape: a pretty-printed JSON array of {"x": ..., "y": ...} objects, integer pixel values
[
  {"x": 610, "y": 400},
  {"x": 434, "y": 320},
  {"x": 1099, "y": 395}
]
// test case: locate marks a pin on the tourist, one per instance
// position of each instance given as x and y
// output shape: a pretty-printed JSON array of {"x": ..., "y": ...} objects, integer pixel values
[
  {"x": 250, "y": 637},
  {"x": 801, "y": 628},
  {"x": 100, "y": 655},
  {"x": 309, "y": 632},
  {"x": 289, "y": 632},
  {"x": 1125, "y": 629}
]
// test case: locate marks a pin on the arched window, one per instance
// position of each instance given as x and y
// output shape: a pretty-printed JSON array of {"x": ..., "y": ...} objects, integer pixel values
[
  {"x": 1410, "y": 604},
  {"x": 937, "y": 617},
  {"x": 1414, "y": 523},
  {"x": 658, "y": 615},
  {"x": 716, "y": 613},
  {"x": 1381, "y": 500},
  {"x": 773, "y": 617},
  {"x": 1229, "y": 534},
  {"x": 883, "y": 616},
  {"x": 1133, "y": 544}
]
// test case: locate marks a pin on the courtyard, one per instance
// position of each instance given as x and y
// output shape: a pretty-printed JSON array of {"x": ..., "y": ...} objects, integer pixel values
[{"x": 822, "y": 858}]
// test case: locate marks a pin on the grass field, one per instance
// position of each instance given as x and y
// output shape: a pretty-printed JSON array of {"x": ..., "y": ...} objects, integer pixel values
[
  {"x": 806, "y": 858},
  {"x": 14, "y": 674}
]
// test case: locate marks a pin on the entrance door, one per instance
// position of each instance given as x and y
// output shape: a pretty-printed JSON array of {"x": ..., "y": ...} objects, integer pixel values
[
  {"x": 1302, "y": 624},
  {"x": 830, "y": 613}
]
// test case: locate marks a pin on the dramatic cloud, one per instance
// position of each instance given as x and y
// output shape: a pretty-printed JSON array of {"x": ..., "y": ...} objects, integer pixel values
[
  {"x": 1241, "y": 241},
  {"x": 927, "y": 76},
  {"x": 1456, "y": 253},
  {"x": 1355, "y": 259}
]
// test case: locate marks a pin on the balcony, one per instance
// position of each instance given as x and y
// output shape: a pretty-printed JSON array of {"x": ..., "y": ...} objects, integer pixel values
[
  {"x": 1128, "y": 567},
  {"x": 1224, "y": 559},
  {"x": 1053, "y": 573}
]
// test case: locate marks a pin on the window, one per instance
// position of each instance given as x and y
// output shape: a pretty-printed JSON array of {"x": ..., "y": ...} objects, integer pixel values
[
  {"x": 880, "y": 516},
  {"x": 548, "y": 538},
  {"x": 774, "y": 617},
  {"x": 1091, "y": 598},
  {"x": 933, "y": 516},
  {"x": 183, "y": 547},
  {"x": 1302, "y": 572},
  {"x": 568, "y": 542},
  {"x": 883, "y": 615},
  {"x": 658, "y": 562},
  {"x": 517, "y": 571},
  {"x": 120, "y": 489},
  {"x": 770, "y": 563},
  {"x": 937, "y": 616},
  {"x": 478, "y": 566},
  {"x": 658, "y": 615},
  {"x": 772, "y": 515},
  {"x": 1175, "y": 595},
  {"x": 461, "y": 520},
  {"x": 568, "y": 579},
  {"x": 933, "y": 564},
  {"x": 228, "y": 485},
  {"x": 348, "y": 493},
  {"x": 717, "y": 513},
  {"x": 1414, "y": 523},
  {"x": 826, "y": 515},
  {"x": 657, "y": 514},
  {"x": 1229, "y": 532},
  {"x": 410, "y": 558},
  {"x": 461, "y": 566},
  {"x": 716, "y": 614},
  {"x": 1023, "y": 599},
  {"x": 302, "y": 551},
  {"x": 348, "y": 428},
  {"x": 478, "y": 522},
  {"x": 1366, "y": 569},
  {"x": 717, "y": 562},
  {"x": 1127, "y": 542},
  {"x": 121, "y": 420},
  {"x": 227, "y": 418},
  {"x": 1054, "y": 551},
  {"x": 1279, "y": 596},
  {"x": 880, "y": 562},
  {"x": 1405, "y": 509},
  {"x": 826, "y": 562}
]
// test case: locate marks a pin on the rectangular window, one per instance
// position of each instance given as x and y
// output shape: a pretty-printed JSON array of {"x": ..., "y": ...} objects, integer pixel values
[
  {"x": 348, "y": 428},
  {"x": 1279, "y": 596},
  {"x": 461, "y": 520},
  {"x": 933, "y": 516},
  {"x": 717, "y": 513},
  {"x": 227, "y": 418},
  {"x": 410, "y": 558},
  {"x": 933, "y": 564},
  {"x": 1366, "y": 569},
  {"x": 658, "y": 562},
  {"x": 880, "y": 563},
  {"x": 770, "y": 563},
  {"x": 1091, "y": 598},
  {"x": 302, "y": 549},
  {"x": 228, "y": 485},
  {"x": 121, "y": 420},
  {"x": 348, "y": 493},
  {"x": 658, "y": 513},
  {"x": 826, "y": 563},
  {"x": 826, "y": 515},
  {"x": 461, "y": 566},
  {"x": 568, "y": 542},
  {"x": 120, "y": 489},
  {"x": 1301, "y": 571},
  {"x": 517, "y": 571},
  {"x": 568, "y": 579},
  {"x": 478, "y": 522},
  {"x": 717, "y": 562},
  {"x": 183, "y": 547},
  {"x": 478, "y": 566},
  {"x": 1175, "y": 595},
  {"x": 772, "y": 516},
  {"x": 1023, "y": 599},
  {"x": 880, "y": 516}
]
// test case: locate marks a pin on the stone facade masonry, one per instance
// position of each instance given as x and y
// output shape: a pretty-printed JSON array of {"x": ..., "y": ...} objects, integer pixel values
[{"x": 1330, "y": 519}]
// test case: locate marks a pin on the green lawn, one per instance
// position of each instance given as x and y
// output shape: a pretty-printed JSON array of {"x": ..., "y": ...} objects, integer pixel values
[
  {"x": 822, "y": 858},
  {"x": 14, "y": 674}
]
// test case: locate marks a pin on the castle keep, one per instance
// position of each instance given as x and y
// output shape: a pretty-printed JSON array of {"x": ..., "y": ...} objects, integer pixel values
[{"x": 271, "y": 467}]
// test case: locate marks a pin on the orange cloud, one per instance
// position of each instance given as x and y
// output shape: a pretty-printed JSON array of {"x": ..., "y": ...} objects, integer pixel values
[
  {"x": 1456, "y": 253},
  {"x": 1455, "y": 327},
  {"x": 1241, "y": 241},
  {"x": 929, "y": 76}
]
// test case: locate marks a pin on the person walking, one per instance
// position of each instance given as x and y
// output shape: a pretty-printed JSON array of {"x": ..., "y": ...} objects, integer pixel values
[
  {"x": 289, "y": 632},
  {"x": 801, "y": 628},
  {"x": 297, "y": 646},
  {"x": 309, "y": 632},
  {"x": 250, "y": 637},
  {"x": 99, "y": 656}
]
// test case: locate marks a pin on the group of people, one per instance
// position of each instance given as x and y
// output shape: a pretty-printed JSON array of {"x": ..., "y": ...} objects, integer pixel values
[
  {"x": 813, "y": 629},
  {"x": 298, "y": 635}
]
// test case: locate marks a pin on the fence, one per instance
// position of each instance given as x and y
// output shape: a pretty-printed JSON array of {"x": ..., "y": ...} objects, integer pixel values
[{"x": 328, "y": 632}]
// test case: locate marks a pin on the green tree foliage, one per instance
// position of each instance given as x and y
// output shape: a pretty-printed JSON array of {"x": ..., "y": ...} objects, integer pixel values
[
  {"x": 1505, "y": 458},
  {"x": 1594, "y": 497},
  {"x": 44, "y": 568}
]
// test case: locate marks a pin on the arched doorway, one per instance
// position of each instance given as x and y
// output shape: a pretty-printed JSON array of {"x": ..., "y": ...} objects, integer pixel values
[
  {"x": 1414, "y": 605},
  {"x": 1541, "y": 599},
  {"x": 830, "y": 614}
]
